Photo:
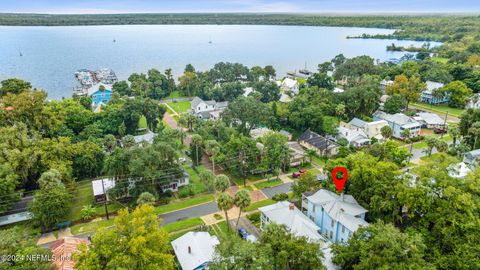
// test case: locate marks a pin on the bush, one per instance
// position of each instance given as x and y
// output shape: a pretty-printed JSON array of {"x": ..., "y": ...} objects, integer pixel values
[
  {"x": 218, "y": 217},
  {"x": 87, "y": 212},
  {"x": 185, "y": 192},
  {"x": 146, "y": 198},
  {"x": 417, "y": 139},
  {"x": 254, "y": 217},
  {"x": 280, "y": 197}
]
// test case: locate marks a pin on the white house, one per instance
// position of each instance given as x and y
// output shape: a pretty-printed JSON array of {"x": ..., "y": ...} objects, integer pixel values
[
  {"x": 100, "y": 189},
  {"x": 145, "y": 138},
  {"x": 399, "y": 122},
  {"x": 194, "y": 250},
  {"x": 430, "y": 120},
  {"x": 338, "y": 216},
  {"x": 286, "y": 213},
  {"x": 290, "y": 85},
  {"x": 357, "y": 138},
  {"x": 208, "y": 109},
  {"x": 474, "y": 102},
  {"x": 370, "y": 129}
]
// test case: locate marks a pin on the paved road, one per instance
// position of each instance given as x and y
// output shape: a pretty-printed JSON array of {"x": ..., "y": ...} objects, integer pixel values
[
  {"x": 283, "y": 188},
  {"x": 194, "y": 211}
]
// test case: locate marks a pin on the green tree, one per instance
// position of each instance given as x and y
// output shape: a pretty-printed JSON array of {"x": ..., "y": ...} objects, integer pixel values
[
  {"x": 474, "y": 132},
  {"x": 394, "y": 104},
  {"x": 8, "y": 184},
  {"x": 380, "y": 246},
  {"x": 386, "y": 132},
  {"x": 246, "y": 113},
  {"x": 87, "y": 212},
  {"x": 221, "y": 183},
  {"x": 276, "y": 153},
  {"x": 135, "y": 242},
  {"x": 431, "y": 143},
  {"x": 311, "y": 153},
  {"x": 212, "y": 148},
  {"x": 242, "y": 153},
  {"x": 306, "y": 182},
  {"x": 458, "y": 92},
  {"x": 122, "y": 88},
  {"x": 408, "y": 88},
  {"x": 196, "y": 149},
  {"x": 225, "y": 203},
  {"x": 51, "y": 204},
  {"x": 17, "y": 244},
  {"x": 146, "y": 198},
  {"x": 241, "y": 200},
  {"x": 321, "y": 80},
  {"x": 207, "y": 178},
  {"x": 13, "y": 86}
]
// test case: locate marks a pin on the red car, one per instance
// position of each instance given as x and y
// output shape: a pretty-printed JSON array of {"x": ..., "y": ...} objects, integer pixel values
[
  {"x": 299, "y": 173},
  {"x": 440, "y": 131}
]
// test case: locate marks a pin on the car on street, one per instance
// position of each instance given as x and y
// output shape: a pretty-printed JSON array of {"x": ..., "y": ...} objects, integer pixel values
[
  {"x": 299, "y": 173},
  {"x": 440, "y": 131},
  {"x": 243, "y": 233}
]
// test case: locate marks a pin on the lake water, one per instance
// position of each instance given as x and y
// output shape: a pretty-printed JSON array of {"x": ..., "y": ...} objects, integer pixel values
[{"x": 51, "y": 55}]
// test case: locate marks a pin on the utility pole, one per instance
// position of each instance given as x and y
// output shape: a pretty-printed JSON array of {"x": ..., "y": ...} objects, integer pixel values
[
  {"x": 444, "y": 124},
  {"x": 105, "y": 201}
]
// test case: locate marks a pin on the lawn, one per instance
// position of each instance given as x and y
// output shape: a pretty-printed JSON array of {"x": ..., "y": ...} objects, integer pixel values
[
  {"x": 180, "y": 204},
  {"x": 318, "y": 161},
  {"x": 267, "y": 184},
  {"x": 142, "y": 123},
  {"x": 174, "y": 94},
  {"x": 221, "y": 230},
  {"x": 180, "y": 106},
  {"x": 423, "y": 144},
  {"x": 440, "y": 59},
  {"x": 182, "y": 225},
  {"x": 174, "y": 236},
  {"x": 256, "y": 205},
  {"x": 439, "y": 109},
  {"x": 91, "y": 226},
  {"x": 195, "y": 184}
]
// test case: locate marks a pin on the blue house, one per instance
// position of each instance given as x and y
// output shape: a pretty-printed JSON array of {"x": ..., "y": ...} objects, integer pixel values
[
  {"x": 428, "y": 95},
  {"x": 101, "y": 95},
  {"x": 338, "y": 216}
]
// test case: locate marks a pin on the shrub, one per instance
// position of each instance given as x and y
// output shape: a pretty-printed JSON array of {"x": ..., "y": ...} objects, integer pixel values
[
  {"x": 280, "y": 197},
  {"x": 254, "y": 217},
  {"x": 146, "y": 198},
  {"x": 87, "y": 212}
]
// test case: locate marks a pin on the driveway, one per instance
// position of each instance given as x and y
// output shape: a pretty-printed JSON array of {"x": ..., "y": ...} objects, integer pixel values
[
  {"x": 194, "y": 211},
  {"x": 247, "y": 225},
  {"x": 272, "y": 191}
]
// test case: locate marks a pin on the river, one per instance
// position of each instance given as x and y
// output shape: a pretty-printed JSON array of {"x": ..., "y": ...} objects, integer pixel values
[{"x": 48, "y": 56}]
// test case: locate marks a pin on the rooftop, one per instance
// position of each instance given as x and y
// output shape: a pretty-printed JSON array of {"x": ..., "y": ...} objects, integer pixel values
[
  {"x": 357, "y": 123},
  {"x": 398, "y": 118},
  {"x": 147, "y": 137},
  {"x": 431, "y": 118},
  {"x": 290, "y": 83},
  {"x": 193, "y": 249},
  {"x": 343, "y": 208},
  {"x": 287, "y": 214},
  {"x": 432, "y": 86},
  {"x": 316, "y": 140},
  {"x": 98, "y": 187},
  {"x": 64, "y": 249}
]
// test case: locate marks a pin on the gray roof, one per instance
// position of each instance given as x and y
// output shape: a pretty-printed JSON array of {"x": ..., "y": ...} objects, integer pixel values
[
  {"x": 398, "y": 118},
  {"x": 287, "y": 214},
  {"x": 343, "y": 209},
  {"x": 432, "y": 86},
  {"x": 196, "y": 101},
  {"x": 431, "y": 118},
  {"x": 211, "y": 102},
  {"x": 357, "y": 123},
  {"x": 473, "y": 154},
  {"x": 221, "y": 105},
  {"x": 316, "y": 140},
  {"x": 147, "y": 137}
]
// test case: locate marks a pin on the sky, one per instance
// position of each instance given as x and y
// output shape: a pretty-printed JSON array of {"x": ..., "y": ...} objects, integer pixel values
[{"x": 298, "y": 6}]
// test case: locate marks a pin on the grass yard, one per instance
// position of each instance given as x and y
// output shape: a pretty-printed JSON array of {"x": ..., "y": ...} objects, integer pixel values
[
  {"x": 423, "y": 144},
  {"x": 221, "y": 230},
  {"x": 267, "y": 184},
  {"x": 180, "y": 106},
  {"x": 439, "y": 109},
  {"x": 195, "y": 184},
  {"x": 176, "y": 235},
  {"x": 91, "y": 226},
  {"x": 174, "y": 94},
  {"x": 440, "y": 59},
  {"x": 181, "y": 204},
  {"x": 256, "y": 205},
  {"x": 182, "y": 225},
  {"x": 142, "y": 123},
  {"x": 318, "y": 161}
]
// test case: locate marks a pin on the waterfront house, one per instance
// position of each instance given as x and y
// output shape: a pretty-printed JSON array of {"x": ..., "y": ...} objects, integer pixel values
[
  {"x": 194, "y": 250},
  {"x": 323, "y": 146},
  {"x": 286, "y": 213},
  {"x": 429, "y": 96},
  {"x": 429, "y": 120},
  {"x": 354, "y": 137},
  {"x": 100, "y": 94},
  {"x": 338, "y": 216},
  {"x": 399, "y": 122},
  {"x": 290, "y": 85},
  {"x": 209, "y": 109}
]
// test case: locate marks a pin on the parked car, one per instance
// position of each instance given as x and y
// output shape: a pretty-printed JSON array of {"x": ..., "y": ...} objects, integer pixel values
[
  {"x": 251, "y": 238},
  {"x": 187, "y": 153},
  {"x": 299, "y": 173},
  {"x": 243, "y": 233},
  {"x": 182, "y": 160},
  {"x": 440, "y": 131}
]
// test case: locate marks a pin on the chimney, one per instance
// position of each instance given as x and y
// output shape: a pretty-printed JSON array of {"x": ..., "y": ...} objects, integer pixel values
[
  {"x": 189, "y": 250},
  {"x": 291, "y": 206}
]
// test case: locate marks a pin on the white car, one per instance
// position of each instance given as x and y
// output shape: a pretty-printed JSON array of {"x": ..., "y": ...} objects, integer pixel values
[{"x": 182, "y": 160}]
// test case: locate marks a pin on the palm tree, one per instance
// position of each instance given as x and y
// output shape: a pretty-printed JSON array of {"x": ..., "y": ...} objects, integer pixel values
[
  {"x": 242, "y": 200},
  {"x": 225, "y": 203},
  {"x": 212, "y": 148},
  {"x": 406, "y": 134},
  {"x": 221, "y": 183},
  {"x": 386, "y": 132},
  {"x": 311, "y": 153},
  {"x": 474, "y": 131},
  {"x": 455, "y": 133},
  {"x": 431, "y": 143}
]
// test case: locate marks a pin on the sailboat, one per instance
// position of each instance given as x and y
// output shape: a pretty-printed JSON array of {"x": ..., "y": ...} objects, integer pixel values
[{"x": 114, "y": 40}]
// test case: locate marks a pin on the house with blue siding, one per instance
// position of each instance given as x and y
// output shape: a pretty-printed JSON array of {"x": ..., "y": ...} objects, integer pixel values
[
  {"x": 100, "y": 94},
  {"x": 429, "y": 96},
  {"x": 337, "y": 216}
]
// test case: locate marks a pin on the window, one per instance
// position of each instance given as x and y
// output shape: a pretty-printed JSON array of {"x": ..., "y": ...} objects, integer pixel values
[
  {"x": 332, "y": 223},
  {"x": 199, "y": 108},
  {"x": 313, "y": 209},
  {"x": 343, "y": 229},
  {"x": 331, "y": 234}
]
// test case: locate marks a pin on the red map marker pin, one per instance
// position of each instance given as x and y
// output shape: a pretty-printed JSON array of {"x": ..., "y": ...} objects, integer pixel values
[{"x": 339, "y": 183}]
